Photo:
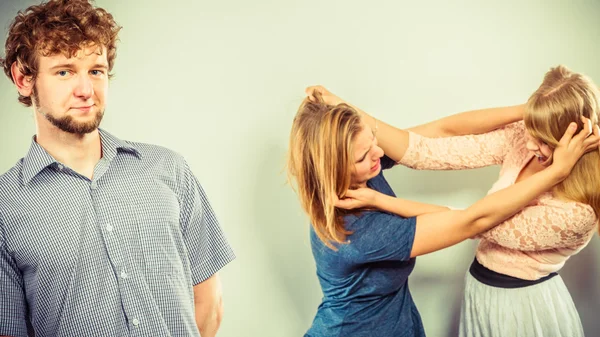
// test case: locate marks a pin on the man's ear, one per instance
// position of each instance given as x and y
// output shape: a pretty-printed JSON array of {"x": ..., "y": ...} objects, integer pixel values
[{"x": 24, "y": 83}]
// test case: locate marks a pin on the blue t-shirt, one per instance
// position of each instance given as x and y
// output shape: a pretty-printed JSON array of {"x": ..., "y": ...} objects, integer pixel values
[{"x": 364, "y": 282}]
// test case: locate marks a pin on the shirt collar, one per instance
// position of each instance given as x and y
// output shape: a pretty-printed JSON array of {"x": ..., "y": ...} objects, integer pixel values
[{"x": 37, "y": 159}]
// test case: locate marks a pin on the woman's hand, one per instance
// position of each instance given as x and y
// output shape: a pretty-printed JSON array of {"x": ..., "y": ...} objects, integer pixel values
[
  {"x": 358, "y": 198},
  {"x": 570, "y": 148},
  {"x": 327, "y": 96}
]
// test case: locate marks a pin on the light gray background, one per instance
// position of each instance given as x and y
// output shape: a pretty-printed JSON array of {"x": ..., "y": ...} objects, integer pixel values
[{"x": 220, "y": 81}]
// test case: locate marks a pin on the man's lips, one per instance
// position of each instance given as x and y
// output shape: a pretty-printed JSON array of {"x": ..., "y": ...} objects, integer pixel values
[{"x": 83, "y": 109}]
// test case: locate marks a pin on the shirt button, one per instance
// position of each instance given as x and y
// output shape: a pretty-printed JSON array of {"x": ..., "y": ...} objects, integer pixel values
[
  {"x": 135, "y": 322},
  {"x": 109, "y": 228},
  {"x": 60, "y": 167},
  {"x": 124, "y": 274},
  {"x": 93, "y": 185}
]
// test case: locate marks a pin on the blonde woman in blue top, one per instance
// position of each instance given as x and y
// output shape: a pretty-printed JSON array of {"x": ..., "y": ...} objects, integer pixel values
[{"x": 364, "y": 256}]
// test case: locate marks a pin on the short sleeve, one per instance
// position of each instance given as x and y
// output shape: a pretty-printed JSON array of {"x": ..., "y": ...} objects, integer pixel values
[
  {"x": 380, "y": 236},
  {"x": 13, "y": 306},
  {"x": 208, "y": 249}
]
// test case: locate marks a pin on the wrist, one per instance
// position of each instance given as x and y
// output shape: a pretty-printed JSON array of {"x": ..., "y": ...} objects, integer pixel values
[
  {"x": 377, "y": 200},
  {"x": 557, "y": 173}
]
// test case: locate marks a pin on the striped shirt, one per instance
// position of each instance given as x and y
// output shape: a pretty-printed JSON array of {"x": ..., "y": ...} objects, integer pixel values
[{"x": 117, "y": 255}]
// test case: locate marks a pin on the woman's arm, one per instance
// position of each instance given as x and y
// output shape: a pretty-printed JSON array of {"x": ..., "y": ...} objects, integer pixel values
[
  {"x": 460, "y": 152},
  {"x": 366, "y": 197},
  {"x": 435, "y": 231},
  {"x": 439, "y": 230},
  {"x": 471, "y": 122},
  {"x": 394, "y": 141}
]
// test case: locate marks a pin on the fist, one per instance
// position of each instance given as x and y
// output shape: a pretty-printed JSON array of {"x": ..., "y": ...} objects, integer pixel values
[{"x": 328, "y": 97}]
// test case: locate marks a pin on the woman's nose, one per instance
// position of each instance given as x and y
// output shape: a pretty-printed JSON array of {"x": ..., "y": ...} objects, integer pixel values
[{"x": 532, "y": 146}]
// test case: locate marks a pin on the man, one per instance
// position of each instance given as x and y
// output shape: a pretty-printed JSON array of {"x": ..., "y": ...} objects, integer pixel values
[{"x": 98, "y": 236}]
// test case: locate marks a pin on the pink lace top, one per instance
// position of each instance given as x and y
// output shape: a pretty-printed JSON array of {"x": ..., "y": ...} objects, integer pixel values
[{"x": 534, "y": 242}]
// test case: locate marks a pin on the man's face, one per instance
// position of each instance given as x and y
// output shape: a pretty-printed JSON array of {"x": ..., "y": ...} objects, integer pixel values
[{"x": 70, "y": 92}]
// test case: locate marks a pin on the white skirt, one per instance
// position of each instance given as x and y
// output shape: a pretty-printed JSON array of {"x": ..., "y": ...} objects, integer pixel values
[{"x": 542, "y": 310}]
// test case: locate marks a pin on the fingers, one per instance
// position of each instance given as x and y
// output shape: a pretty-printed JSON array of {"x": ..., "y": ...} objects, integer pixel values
[
  {"x": 342, "y": 203},
  {"x": 585, "y": 132},
  {"x": 596, "y": 137},
  {"x": 351, "y": 194},
  {"x": 310, "y": 89},
  {"x": 314, "y": 89},
  {"x": 591, "y": 148},
  {"x": 592, "y": 140},
  {"x": 590, "y": 129},
  {"x": 589, "y": 136},
  {"x": 346, "y": 203},
  {"x": 309, "y": 93},
  {"x": 566, "y": 138},
  {"x": 591, "y": 143},
  {"x": 587, "y": 125}
]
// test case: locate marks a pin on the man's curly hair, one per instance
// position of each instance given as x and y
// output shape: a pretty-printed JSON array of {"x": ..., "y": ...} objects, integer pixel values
[{"x": 57, "y": 27}]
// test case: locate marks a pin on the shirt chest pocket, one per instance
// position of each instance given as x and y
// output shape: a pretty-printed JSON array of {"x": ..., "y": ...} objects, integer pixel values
[{"x": 161, "y": 249}]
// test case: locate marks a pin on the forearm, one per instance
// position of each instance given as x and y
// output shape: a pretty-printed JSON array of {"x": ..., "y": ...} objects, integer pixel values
[
  {"x": 208, "y": 305},
  {"x": 405, "y": 208},
  {"x": 395, "y": 141},
  {"x": 208, "y": 319},
  {"x": 443, "y": 229},
  {"x": 497, "y": 207},
  {"x": 471, "y": 122}
]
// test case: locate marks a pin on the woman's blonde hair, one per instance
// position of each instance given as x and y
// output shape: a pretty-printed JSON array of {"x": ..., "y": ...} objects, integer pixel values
[
  {"x": 320, "y": 160},
  {"x": 564, "y": 97}
]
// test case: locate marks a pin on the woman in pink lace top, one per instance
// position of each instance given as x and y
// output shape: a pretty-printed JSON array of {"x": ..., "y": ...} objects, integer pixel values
[
  {"x": 512, "y": 288},
  {"x": 536, "y": 241}
]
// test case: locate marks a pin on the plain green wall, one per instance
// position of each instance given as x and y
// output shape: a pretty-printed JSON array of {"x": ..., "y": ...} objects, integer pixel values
[{"x": 220, "y": 81}]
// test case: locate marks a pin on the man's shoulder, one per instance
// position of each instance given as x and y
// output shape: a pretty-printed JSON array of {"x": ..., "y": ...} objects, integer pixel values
[
  {"x": 11, "y": 177},
  {"x": 10, "y": 185},
  {"x": 155, "y": 152}
]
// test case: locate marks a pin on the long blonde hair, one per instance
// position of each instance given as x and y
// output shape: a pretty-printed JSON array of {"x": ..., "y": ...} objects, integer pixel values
[
  {"x": 320, "y": 161},
  {"x": 564, "y": 97}
]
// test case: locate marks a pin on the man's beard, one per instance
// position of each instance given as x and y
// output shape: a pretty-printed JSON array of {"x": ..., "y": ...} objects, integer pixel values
[{"x": 67, "y": 124}]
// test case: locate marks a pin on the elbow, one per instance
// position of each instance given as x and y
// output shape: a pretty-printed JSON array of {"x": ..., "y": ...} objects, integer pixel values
[
  {"x": 481, "y": 225},
  {"x": 474, "y": 224},
  {"x": 447, "y": 131},
  {"x": 444, "y": 128}
]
